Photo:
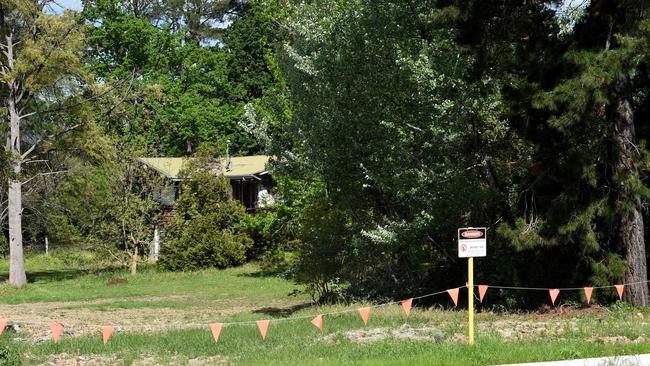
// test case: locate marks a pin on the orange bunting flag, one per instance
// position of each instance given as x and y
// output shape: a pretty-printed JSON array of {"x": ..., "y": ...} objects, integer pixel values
[
  {"x": 453, "y": 293},
  {"x": 264, "y": 326},
  {"x": 406, "y": 305},
  {"x": 619, "y": 289},
  {"x": 482, "y": 289},
  {"x": 57, "y": 330},
  {"x": 3, "y": 325},
  {"x": 318, "y": 322},
  {"x": 365, "y": 314},
  {"x": 588, "y": 291},
  {"x": 553, "y": 292},
  {"x": 106, "y": 333},
  {"x": 216, "y": 330}
]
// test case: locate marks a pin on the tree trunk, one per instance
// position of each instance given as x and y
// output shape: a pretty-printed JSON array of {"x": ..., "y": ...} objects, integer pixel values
[
  {"x": 134, "y": 261},
  {"x": 155, "y": 244},
  {"x": 17, "y": 277},
  {"x": 630, "y": 226}
]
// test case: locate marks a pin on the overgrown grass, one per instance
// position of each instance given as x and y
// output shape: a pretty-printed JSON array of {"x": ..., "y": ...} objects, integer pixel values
[
  {"x": 299, "y": 343},
  {"x": 427, "y": 337}
]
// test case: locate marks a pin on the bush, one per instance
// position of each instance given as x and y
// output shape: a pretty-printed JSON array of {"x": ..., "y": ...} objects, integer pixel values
[
  {"x": 202, "y": 244},
  {"x": 204, "y": 232},
  {"x": 273, "y": 235}
]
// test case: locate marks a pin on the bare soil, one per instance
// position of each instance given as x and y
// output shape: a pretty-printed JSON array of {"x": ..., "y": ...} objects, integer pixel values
[
  {"x": 32, "y": 320},
  {"x": 146, "y": 360}
]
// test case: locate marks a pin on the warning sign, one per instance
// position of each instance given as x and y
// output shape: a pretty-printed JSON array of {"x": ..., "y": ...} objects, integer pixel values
[{"x": 472, "y": 242}]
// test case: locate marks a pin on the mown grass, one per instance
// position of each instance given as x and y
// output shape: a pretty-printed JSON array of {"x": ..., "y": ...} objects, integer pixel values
[
  {"x": 54, "y": 281},
  {"x": 345, "y": 339}
]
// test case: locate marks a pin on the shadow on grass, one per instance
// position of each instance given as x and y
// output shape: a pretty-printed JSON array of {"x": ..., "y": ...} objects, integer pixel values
[
  {"x": 260, "y": 274},
  {"x": 283, "y": 312},
  {"x": 48, "y": 276},
  {"x": 59, "y": 275}
]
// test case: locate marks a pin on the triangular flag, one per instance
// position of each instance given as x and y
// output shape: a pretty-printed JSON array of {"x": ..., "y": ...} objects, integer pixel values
[
  {"x": 365, "y": 314},
  {"x": 454, "y": 295},
  {"x": 57, "y": 330},
  {"x": 318, "y": 322},
  {"x": 106, "y": 333},
  {"x": 406, "y": 305},
  {"x": 619, "y": 289},
  {"x": 553, "y": 292},
  {"x": 588, "y": 291},
  {"x": 482, "y": 289},
  {"x": 216, "y": 330},
  {"x": 3, "y": 325},
  {"x": 264, "y": 326}
]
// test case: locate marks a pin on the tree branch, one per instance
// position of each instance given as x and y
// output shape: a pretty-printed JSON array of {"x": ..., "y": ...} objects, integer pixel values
[
  {"x": 43, "y": 174},
  {"x": 37, "y": 143}
]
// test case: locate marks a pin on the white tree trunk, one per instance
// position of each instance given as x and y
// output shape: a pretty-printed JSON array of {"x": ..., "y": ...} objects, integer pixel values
[
  {"x": 17, "y": 277},
  {"x": 155, "y": 245}
]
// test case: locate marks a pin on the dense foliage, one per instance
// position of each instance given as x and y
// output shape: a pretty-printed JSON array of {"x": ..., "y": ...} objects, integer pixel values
[
  {"x": 202, "y": 233},
  {"x": 390, "y": 124}
]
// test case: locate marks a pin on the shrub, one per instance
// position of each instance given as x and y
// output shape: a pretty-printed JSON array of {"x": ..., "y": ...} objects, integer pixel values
[
  {"x": 204, "y": 232},
  {"x": 273, "y": 234},
  {"x": 199, "y": 243}
]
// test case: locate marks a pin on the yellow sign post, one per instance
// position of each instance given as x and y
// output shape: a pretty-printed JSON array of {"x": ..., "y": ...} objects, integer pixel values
[
  {"x": 470, "y": 299},
  {"x": 471, "y": 243}
]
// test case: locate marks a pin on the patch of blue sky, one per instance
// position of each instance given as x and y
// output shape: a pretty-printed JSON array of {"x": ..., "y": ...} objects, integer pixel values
[{"x": 57, "y": 6}]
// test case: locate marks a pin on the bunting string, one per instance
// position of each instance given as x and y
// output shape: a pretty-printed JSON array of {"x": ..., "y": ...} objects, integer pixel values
[
  {"x": 564, "y": 288},
  {"x": 317, "y": 319}
]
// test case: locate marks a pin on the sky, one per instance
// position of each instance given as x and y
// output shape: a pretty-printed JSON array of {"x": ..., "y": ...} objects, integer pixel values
[{"x": 70, "y": 4}]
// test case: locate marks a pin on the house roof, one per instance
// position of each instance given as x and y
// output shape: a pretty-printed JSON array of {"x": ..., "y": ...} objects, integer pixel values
[{"x": 240, "y": 166}]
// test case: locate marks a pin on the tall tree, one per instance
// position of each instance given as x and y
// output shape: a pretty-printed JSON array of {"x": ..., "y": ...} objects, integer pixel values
[
  {"x": 406, "y": 145},
  {"x": 42, "y": 74},
  {"x": 594, "y": 106},
  {"x": 575, "y": 91},
  {"x": 170, "y": 95}
]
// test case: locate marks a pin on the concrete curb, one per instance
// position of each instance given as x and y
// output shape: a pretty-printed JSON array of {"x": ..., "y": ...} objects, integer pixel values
[{"x": 634, "y": 360}]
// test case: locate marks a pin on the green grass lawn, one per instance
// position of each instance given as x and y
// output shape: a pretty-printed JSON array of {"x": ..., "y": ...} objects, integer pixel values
[{"x": 427, "y": 337}]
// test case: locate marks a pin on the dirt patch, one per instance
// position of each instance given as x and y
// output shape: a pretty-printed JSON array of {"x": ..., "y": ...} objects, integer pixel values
[
  {"x": 150, "y": 360},
  {"x": 74, "y": 360},
  {"x": 618, "y": 339},
  {"x": 32, "y": 320},
  {"x": 516, "y": 330},
  {"x": 65, "y": 359},
  {"x": 368, "y": 335},
  {"x": 569, "y": 311}
]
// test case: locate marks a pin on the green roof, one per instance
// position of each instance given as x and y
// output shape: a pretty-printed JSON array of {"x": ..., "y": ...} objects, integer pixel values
[{"x": 239, "y": 167}]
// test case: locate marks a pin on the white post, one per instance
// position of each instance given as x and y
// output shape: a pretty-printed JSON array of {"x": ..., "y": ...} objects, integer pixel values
[{"x": 155, "y": 245}]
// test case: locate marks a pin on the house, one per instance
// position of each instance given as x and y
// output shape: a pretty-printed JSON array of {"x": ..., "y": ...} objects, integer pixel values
[
  {"x": 250, "y": 184},
  {"x": 249, "y": 180}
]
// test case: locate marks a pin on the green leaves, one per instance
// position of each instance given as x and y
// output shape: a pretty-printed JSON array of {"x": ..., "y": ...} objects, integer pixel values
[
  {"x": 204, "y": 231},
  {"x": 386, "y": 115}
]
